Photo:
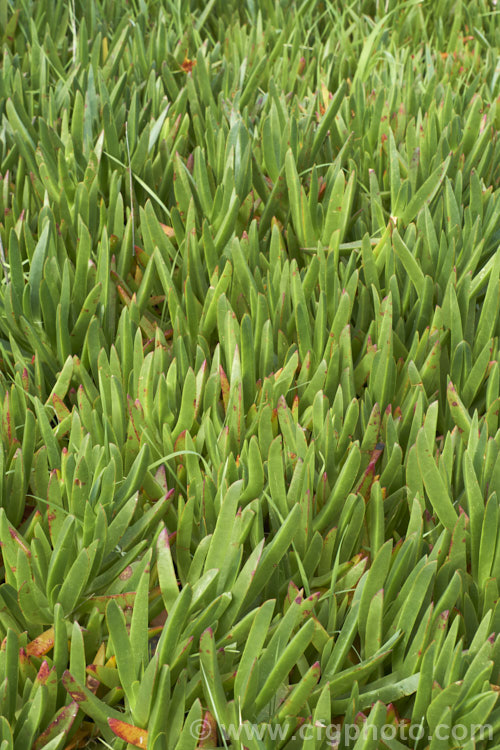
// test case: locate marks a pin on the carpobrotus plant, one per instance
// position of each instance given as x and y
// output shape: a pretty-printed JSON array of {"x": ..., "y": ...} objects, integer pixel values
[{"x": 249, "y": 318}]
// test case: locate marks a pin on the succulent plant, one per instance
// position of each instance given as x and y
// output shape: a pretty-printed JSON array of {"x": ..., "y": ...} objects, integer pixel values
[{"x": 249, "y": 379}]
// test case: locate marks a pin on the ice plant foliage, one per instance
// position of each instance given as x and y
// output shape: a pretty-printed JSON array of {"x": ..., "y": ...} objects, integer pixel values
[{"x": 249, "y": 378}]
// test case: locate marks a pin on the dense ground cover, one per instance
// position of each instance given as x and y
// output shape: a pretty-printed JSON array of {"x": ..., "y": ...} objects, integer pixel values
[{"x": 249, "y": 318}]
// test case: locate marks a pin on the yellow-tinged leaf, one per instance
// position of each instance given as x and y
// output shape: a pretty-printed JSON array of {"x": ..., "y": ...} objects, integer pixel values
[
  {"x": 325, "y": 96},
  {"x": 224, "y": 387},
  {"x": 41, "y": 645},
  {"x": 169, "y": 231},
  {"x": 133, "y": 735},
  {"x": 60, "y": 407},
  {"x": 99, "y": 659}
]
